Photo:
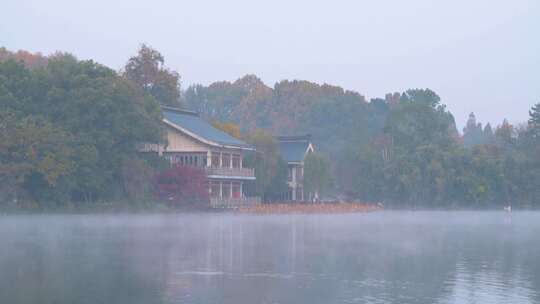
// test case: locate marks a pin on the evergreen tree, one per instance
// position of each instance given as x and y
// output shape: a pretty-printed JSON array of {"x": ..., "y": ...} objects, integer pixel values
[
  {"x": 473, "y": 133},
  {"x": 488, "y": 131},
  {"x": 505, "y": 134},
  {"x": 534, "y": 121}
]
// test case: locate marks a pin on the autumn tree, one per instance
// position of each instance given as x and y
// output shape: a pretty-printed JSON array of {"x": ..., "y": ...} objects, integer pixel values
[
  {"x": 148, "y": 71},
  {"x": 228, "y": 127},
  {"x": 246, "y": 102},
  {"x": 30, "y": 60}
]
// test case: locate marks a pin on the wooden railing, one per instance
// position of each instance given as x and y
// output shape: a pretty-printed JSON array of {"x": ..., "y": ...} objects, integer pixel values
[
  {"x": 217, "y": 202},
  {"x": 241, "y": 172}
]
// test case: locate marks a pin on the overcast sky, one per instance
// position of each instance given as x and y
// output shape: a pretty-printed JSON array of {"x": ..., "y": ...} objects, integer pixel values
[{"x": 478, "y": 55}]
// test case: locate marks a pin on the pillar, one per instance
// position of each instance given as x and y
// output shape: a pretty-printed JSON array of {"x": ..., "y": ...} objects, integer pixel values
[{"x": 220, "y": 160}]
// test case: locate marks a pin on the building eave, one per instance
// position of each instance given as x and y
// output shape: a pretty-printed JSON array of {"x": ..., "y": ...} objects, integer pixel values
[
  {"x": 231, "y": 177},
  {"x": 295, "y": 163},
  {"x": 204, "y": 140}
]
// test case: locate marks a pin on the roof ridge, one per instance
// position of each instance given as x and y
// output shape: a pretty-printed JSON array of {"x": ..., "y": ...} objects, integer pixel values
[
  {"x": 178, "y": 110},
  {"x": 286, "y": 138}
]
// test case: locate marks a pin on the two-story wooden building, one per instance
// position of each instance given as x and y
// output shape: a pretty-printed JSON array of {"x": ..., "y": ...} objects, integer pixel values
[
  {"x": 294, "y": 150},
  {"x": 192, "y": 141}
]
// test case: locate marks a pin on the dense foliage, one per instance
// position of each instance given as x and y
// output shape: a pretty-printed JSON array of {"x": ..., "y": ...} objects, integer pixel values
[
  {"x": 317, "y": 175},
  {"x": 270, "y": 168},
  {"x": 291, "y": 108},
  {"x": 402, "y": 150},
  {"x": 69, "y": 129}
]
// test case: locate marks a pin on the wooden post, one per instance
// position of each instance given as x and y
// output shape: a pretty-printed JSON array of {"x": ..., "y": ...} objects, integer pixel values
[{"x": 220, "y": 160}]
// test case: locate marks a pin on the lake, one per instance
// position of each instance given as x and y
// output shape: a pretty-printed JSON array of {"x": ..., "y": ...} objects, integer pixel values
[{"x": 380, "y": 257}]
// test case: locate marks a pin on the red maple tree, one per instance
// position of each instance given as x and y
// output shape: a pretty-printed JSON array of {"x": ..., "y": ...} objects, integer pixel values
[{"x": 182, "y": 185}]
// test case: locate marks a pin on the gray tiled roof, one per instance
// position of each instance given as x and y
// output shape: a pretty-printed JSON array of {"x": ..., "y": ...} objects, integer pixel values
[
  {"x": 195, "y": 124},
  {"x": 293, "y": 151}
]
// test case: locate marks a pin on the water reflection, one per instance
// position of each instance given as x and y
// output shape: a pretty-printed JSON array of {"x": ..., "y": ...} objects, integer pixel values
[{"x": 386, "y": 257}]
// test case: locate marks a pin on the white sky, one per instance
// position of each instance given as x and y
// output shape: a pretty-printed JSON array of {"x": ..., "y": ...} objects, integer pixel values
[{"x": 478, "y": 55}]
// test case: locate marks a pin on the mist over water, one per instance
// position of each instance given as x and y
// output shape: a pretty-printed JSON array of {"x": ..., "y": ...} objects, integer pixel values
[{"x": 382, "y": 257}]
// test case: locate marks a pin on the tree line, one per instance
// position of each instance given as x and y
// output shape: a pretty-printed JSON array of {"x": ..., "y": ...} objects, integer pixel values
[
  {"x": 69, "y": 130},
  {"x": 403, "y": 149}
]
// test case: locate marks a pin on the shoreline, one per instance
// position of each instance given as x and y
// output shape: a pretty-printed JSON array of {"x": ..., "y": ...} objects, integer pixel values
[
  {"x": 305, "y": 208},
  {"x": 152, "y": 208}
]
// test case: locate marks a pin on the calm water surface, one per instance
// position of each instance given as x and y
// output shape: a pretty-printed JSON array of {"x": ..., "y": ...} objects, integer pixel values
[{"x": 384, "y": 257}]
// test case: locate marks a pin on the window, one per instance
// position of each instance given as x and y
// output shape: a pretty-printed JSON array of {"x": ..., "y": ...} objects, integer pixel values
[
  {"x": 225, "y": 160},
  {"x": 290, "y": 174},
  {"x": 226, "y": 189},
  {"x": 236, "y": 190},
  {"x": 299, "y": 194},
  {"x": 299, "y": 173},
  {"x": 214, "y": 189},
  {"x": 208, "y": 187},
  {"x": 236, "y": 161},
  {"x": 215, "y": 159}
]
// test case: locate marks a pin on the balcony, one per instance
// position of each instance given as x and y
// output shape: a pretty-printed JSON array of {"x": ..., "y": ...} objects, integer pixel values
[
  {"x": 218, "y": 202},
  {"x": 240, "y": 173}
]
